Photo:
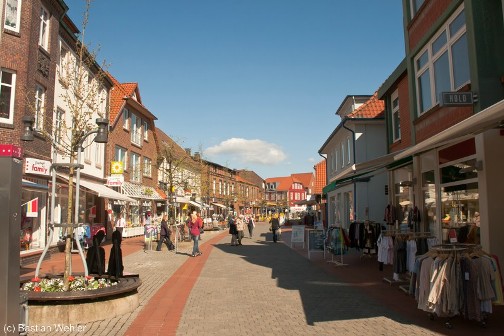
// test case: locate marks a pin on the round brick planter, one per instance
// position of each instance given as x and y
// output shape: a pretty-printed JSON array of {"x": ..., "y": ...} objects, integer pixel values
[{"x": 79, "y": 307}]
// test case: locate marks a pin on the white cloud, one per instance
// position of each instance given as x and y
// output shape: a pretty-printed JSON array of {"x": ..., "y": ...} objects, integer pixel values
[{"x": 249, "y": 151}]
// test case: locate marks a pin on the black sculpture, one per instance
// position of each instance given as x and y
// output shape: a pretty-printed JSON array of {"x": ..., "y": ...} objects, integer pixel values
[
  {"x": 95, "y": 258},
  {"x": 115, "y": 266}
]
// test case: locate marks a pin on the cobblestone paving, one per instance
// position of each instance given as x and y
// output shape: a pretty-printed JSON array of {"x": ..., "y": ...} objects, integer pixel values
[
  {"x": 263, "y": 288},
  {"x": 154, "y": 268}
]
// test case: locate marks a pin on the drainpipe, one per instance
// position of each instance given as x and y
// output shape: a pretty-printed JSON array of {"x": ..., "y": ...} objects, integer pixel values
[
  {"x": 353, "y": 152},
  {"x": 326, "y": 210}
]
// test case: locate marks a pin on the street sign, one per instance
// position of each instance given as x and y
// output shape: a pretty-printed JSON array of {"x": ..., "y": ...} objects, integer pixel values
[{"x": 456, "y": 99}]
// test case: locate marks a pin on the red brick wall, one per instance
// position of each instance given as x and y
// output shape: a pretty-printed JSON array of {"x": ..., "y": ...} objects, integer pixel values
[
  {"x": 20, "y": 53},
  {"x": 404, "y": 110},
  {"x": 439, "y": 119},
  {"x": 424, "y": 20},
  {"x": 121, "y": 137}
]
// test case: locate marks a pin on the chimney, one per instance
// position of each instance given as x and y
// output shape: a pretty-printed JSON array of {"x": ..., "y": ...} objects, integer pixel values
[
  {"x": 188, "y": 151},
  {"x": 197, "y": 156}
]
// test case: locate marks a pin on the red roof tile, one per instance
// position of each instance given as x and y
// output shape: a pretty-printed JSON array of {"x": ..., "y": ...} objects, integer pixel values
[{"x": 373, "y": 108}]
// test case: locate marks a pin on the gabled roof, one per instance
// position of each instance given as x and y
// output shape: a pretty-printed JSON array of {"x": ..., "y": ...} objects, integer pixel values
[
  {"x": 120, "y": 94},
  {"x": 373, "y": 108},
  {"x": 283, "y": 183},
  {"x": 306, "y": 179},
  {"x": 320, "y": 177}
]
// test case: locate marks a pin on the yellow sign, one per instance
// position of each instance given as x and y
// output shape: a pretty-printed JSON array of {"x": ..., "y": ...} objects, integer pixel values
[{"x": 116, "y": 167}]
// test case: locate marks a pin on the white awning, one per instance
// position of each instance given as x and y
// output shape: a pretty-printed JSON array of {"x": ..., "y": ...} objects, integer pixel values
[
  {"x": 195, "y": 204},
  {"x": 220, "y": 205},
  {"x": 490, "y": 117},
  {"x": 101, "y": 190}
]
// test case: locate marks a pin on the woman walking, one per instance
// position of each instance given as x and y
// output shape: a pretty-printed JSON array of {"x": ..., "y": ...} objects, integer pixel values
[
  {"x": 195, "y": 224},
  {"x": 233, "y": 231},
  {"x": 240, "y": 226}
]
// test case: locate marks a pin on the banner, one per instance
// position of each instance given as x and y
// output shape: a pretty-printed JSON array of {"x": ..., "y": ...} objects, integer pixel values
[
  {"x": 92, "y": 212},
  {"x": 31, "y": 208}
]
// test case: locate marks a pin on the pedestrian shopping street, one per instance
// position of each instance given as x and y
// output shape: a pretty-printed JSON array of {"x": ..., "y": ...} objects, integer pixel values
[{"x": 266, "y": 288}]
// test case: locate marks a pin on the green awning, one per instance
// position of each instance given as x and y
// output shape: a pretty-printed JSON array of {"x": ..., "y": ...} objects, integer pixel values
[
  {"x": 400, "y": 162},
  {"x": 328, "y": 188}
]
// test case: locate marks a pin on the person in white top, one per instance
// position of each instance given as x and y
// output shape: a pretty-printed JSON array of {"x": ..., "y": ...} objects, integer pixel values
[{"x": 120, "y": 223}]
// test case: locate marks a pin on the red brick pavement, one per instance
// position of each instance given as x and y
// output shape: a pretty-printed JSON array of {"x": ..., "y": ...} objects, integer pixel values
[{"x": 161, "y": 315}]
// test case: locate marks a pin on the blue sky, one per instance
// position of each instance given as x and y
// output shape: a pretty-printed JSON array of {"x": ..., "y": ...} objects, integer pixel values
[{"x": 252, "y": 84}]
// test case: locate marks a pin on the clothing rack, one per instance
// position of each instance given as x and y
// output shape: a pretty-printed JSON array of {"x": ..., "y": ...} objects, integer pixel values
[
  {"x": 402, "y": 279},
  {"x": 331, "y": 248},
  {"x": 454, "y": 261}
]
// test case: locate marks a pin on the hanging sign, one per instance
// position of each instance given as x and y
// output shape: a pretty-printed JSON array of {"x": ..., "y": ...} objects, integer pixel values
[
  {"x": 36, "y": 166},
  {"x": 116, "y": 167}
]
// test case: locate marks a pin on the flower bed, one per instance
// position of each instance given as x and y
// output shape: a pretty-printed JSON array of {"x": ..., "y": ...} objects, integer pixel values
[{"x": 78, "y": 283}]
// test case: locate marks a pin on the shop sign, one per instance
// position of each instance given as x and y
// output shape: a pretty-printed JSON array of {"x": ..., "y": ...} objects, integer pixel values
[
  {"x": 115, "y": 180},
  {"x": 116, "y": 167},
  {"x": 119, "y": 202},
  {"x": 456, "y": 99},
  {"x": 146, "y": 204},
  {"x": 36, "y": 166}
]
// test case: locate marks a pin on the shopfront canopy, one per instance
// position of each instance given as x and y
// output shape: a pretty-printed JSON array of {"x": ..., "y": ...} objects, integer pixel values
[
  {"x": 220, "y": 205},
  {"x": 100, "y": 189}
]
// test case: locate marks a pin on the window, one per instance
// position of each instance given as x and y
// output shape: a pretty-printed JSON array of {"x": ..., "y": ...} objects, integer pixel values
[
  {"x": 147, "y": 167},
  {"x": 443, "y": 65},
  {"x": 44, "y": 28},
  {"x": 348, "y": 151},
  {"x": 336, "y": 160},
  {"x": 87, "y": 149},
  {"x": 102, "y": 104},
  {"x": 136, "y": 130},
  {"x": 98, "y": 154},
  {"x": 126, "y": 117},
  {"x": 64, "y": 64},
  {"x": 146, "y": 129},
  {"x": 415, "y": 6},
  {"x": 135, "y": 168},
  {"x": 12, "y": 15},
  {"x": 121, "y": 154},
  {"x": 59, "y": 125},
  {"x": 396, "y": 121},
  {"x": 7, "y": 90},
  {"x": 342, "y": 155},
  {"x": 39, "y": 107}
]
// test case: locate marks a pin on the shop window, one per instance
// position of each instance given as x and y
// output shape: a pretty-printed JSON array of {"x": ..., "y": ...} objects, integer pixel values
[{"x": 430, "y": 198}]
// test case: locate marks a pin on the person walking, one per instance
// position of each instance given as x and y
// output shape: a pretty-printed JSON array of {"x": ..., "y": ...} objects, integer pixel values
[
  {"x": 120, "y": 223},
  {"x": 233, "y": 230},
  {"x": 240, "y": 226},
  {"x": 275, "y": 225},
  {"x": 250, "y": 225},
  {"x": 195, "y": 224},
  {"x": 164, "y": 236}
]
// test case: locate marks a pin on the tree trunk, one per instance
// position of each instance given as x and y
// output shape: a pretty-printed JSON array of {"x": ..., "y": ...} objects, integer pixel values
[{"x": 69, "y": 230}]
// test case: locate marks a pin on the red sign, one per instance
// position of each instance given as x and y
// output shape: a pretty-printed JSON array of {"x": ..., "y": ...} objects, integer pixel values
[{"x": 11, "y": 151}]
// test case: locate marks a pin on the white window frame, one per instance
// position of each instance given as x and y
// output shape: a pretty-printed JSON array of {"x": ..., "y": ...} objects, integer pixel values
[
  {"x": 136, "y": 130},
  {"x": 40, "y": 92},
  {"x": 12, "y": 86},
  {"x": 342, "y": 154},
  {"x": 349, "y": 147},
  {"x": 121, "y": 154},
  {"x": 44, "y": 28},
  {"x": 428, "y": 67},
  {"x": 88, "y": 142},
  {"x": 59, "y": 122},
  {"x": 98, "y": 154},
  {"x": 136, "y": 167},
  {"x": 147, "y": 167},
  {"x": 13, "y": 13},
  {"x": 145, "y": 131},
  {"x": 396, "y": 129},
  {"x": 126, "y": 118}
]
